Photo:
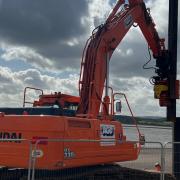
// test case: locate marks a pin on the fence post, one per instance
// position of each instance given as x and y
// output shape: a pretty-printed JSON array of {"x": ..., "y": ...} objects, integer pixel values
[
  {"x": 162, "y": 162},
  {"x": 30, "y": 161}
]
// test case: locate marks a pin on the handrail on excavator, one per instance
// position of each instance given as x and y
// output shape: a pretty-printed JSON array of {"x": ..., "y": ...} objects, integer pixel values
[{"x": 25, "y": 91}]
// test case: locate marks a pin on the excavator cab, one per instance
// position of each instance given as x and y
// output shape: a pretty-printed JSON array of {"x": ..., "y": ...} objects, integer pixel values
[
  {"x": 58, "y": 99},
  {"x": 54, "y": 104}
]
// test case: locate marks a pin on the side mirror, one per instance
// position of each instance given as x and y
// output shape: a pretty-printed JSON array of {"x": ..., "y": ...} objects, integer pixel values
[{"x": 118, "y": 106}]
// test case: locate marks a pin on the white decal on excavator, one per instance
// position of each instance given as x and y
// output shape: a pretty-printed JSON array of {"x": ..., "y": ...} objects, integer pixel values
[
  {"x": 68, "y": 153},
  {"x": 107, "y": 134},
  {"x": 37, "y": 153},
  {"x": 107, "y": 131}
]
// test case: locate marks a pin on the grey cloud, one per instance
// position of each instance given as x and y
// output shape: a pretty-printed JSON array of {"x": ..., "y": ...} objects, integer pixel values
[
  {"x": 45, "y": 26},
  {"x": 131, "y": 65},
  {"x": 63, "y": 55},
  {"x": 131, "y": 84},
  {"x": 140, "y": 96},
  {"x": 43, "y": 21}
]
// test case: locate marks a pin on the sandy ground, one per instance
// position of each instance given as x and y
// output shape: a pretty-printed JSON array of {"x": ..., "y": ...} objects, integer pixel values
[{"x": 148, "y": 158}]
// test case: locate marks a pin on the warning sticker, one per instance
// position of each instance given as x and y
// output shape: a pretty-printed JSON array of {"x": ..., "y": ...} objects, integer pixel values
[{"x": 37, "y": 153}]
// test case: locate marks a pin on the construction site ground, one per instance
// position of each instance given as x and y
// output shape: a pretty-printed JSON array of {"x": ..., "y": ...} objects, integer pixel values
[{"x": 101, "y": 172}]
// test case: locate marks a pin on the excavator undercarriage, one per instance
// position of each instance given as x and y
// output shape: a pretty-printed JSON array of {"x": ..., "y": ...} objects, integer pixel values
[{"x": 98, "y": 172}]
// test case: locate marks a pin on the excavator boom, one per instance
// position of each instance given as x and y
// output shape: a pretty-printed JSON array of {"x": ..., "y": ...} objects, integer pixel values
[{"x": 103, "y": 43}]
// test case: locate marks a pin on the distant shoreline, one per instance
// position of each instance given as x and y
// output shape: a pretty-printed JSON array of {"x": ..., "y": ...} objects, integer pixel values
[
  {"x": 145, "y": 121},
  {"x": 147, "y": 126}
]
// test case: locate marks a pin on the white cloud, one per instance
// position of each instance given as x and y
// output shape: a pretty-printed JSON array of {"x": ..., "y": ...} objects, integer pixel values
[
  {"x": 13, "y": 84},
  {"x": 125, "y": 52},
  {"x": 140, "y": 96},
  {"x": 26, "y": 54},
  {"x": 99, "y": 11},
  {"x": 159, "y": 10}
]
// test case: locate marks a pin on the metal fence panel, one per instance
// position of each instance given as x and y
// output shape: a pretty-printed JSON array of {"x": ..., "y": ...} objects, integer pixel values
[{"x": 142, "y": 168}]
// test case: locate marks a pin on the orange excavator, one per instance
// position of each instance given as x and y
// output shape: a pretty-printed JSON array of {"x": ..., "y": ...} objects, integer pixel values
[{"x": 98, "y": 138}]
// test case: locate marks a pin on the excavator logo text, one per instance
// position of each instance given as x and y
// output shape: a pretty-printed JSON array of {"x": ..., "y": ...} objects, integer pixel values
[
  {"x": 10, "y": 136},
  {"x": 107, "y": 135},
  {"x": 107, "y": 131}
]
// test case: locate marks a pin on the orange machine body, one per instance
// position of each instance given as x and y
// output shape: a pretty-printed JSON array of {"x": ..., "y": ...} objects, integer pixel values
[{"x": 106, "y": 141}]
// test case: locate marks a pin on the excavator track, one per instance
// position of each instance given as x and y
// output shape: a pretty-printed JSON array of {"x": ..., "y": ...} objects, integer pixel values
[{"x": 99, "y": 172}]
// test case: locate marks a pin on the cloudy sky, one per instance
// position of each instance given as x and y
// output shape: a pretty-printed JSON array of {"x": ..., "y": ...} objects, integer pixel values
[{"x": 41, "y": 43}]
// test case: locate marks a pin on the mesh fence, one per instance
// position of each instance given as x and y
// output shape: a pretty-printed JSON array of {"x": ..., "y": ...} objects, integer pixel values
[
  {"x": 39, "y": 160},
  {"x": 142, "y": 168},
  {"x": 168, "y": 156},
  {"x": 172, "y": 158},
  {"x": 147, "y": 159}
]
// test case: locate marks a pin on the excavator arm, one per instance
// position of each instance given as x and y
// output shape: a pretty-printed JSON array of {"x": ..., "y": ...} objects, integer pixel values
[{"x": 102, "y": 44}]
